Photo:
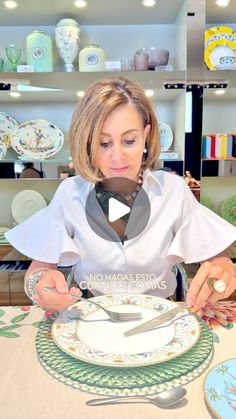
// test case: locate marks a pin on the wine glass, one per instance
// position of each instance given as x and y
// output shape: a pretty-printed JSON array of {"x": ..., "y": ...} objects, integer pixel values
[{"x": 13, "y": 54}]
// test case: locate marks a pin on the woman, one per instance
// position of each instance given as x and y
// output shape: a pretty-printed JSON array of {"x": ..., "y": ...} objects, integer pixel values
[{"x": 114, "y": 135}]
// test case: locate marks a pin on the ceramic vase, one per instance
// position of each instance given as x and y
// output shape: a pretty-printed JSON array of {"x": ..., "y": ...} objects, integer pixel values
[{"x": 67, "y": 41}]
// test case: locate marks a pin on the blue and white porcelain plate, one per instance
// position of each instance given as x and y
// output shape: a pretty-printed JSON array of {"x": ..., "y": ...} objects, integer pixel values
[{"x": 220, "y": 389}]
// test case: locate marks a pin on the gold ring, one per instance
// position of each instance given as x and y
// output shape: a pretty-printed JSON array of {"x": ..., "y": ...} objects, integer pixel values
[{"x": 217, "y": 285}]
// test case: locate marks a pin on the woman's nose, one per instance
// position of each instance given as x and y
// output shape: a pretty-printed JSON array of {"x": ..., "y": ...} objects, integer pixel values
[{"x": 117, "y": 151}]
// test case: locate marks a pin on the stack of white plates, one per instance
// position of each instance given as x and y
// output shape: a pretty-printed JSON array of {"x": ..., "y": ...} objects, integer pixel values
[{"x": 2, "y": 237}]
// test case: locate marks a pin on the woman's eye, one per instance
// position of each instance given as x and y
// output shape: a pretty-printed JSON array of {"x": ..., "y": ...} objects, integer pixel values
[
  {"x": 105, "y": 144},
  {"x": 130, "y": 142}
]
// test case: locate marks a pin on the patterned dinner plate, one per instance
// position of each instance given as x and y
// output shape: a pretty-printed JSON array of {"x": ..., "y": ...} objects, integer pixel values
[
  {"x": 113, "y": 381},
  {"x": 220, "y": 389},
  {"x": 90, "y": 336},
  {"x": 7, "y": 123},
  {"x": 220, "y": 47},
  {"x": 37, "y": 139}
]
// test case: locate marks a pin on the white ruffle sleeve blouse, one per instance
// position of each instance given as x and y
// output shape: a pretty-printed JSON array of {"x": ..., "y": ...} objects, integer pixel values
[{"x": 180, "y": 229}]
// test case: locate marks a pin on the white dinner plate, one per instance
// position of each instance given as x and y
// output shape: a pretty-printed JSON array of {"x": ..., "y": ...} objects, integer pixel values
[
  {"x": 166, "y": 136},
  {"x": 26, "y": 203},
  {"x": 85, "y": 332}
]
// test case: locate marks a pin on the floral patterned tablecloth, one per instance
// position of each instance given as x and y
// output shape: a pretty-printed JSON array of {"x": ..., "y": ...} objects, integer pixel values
[{"x": 28, "y": 391}]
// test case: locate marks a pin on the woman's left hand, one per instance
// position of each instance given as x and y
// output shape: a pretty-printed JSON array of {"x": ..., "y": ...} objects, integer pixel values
[{"x": 201, "y": 293}]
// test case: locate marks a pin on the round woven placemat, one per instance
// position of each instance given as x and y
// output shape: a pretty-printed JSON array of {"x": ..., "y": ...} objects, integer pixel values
[{"x": 102, "y": 380}]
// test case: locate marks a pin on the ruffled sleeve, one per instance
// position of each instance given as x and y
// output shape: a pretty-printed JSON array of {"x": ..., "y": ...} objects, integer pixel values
[
  {"x": 46, "y": 236},
  {"x": 201, "y": 235}
]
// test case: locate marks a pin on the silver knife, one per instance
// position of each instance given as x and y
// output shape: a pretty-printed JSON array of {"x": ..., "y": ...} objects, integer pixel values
[{"x": 157, "y": 321}]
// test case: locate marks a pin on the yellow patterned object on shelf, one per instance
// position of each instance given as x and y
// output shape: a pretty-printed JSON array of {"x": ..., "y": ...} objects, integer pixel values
[{"x": 220, "y": 48}]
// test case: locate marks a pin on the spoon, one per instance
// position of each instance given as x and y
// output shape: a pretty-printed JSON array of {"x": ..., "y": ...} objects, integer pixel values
[{"x": 164, "y": 399}]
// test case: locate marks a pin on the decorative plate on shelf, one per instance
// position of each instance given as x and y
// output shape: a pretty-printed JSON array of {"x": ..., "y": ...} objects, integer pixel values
[
  {"x": 220, "y": 389},
  {"x": 220, "y": 47},
  {"x": 207, "y": 202},
  {"x": 5, "y": 141},
  {"x": 7, "y": 123},
  {"x": 37, "y": 139},
  {"x": 166, "y": 136},
  {"x": 228, "y": 209},
  {"x": 26, "y": 203},
  {"x": 7, "y": 127},
  {"x": 113, "y": 381},
  {"x": 93, "y": 338}
]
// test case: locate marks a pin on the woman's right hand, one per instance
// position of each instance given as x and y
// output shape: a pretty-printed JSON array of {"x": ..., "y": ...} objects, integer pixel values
[{"x": 50, "y": 300}]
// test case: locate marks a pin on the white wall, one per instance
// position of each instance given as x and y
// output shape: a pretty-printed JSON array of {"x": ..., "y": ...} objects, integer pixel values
[
  {"x": 219, "y": 116},
  {"x": 181, "y": 38}
]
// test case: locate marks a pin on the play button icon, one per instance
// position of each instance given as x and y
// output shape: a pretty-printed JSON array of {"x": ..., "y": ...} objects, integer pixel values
[{"x": 116, "y": 210}]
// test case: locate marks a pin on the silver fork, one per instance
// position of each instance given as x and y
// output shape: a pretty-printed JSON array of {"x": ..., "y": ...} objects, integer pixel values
[{"x": 116, "y": 317}]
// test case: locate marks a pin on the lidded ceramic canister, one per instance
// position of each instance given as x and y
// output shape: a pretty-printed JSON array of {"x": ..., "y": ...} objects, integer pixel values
[
  {"x": 92, "y": 58},
  {"x": 39, "y": 51}
]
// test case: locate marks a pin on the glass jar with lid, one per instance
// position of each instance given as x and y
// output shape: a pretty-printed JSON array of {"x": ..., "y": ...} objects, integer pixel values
[{"x": 92, "y": 58}]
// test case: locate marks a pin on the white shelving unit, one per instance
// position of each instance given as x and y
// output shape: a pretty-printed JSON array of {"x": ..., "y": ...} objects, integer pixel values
[
  {"x": 219, "y": 111},
  {"x": 120, "y": 28}
]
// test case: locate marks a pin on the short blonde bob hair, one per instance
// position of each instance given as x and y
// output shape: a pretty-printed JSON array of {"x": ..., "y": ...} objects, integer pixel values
[{"x": 99, "y": 101}]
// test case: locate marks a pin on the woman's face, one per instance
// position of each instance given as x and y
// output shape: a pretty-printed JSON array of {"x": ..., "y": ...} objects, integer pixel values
[{"x": 121, "y": 143}]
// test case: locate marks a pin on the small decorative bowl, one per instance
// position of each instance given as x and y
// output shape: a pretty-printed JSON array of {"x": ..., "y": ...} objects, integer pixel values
[{"x": 156, "y": 57}]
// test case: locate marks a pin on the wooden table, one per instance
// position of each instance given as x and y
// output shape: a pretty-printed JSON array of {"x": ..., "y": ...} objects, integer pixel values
[{"x": 27, "y": 391}]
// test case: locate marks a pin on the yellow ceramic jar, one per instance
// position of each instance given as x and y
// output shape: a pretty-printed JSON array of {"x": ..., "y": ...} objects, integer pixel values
[{"x": 92, "y": 58}]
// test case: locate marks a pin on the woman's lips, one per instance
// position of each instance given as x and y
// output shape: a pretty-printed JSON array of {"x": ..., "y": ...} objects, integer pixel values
[{"x": 119, "y": 169}]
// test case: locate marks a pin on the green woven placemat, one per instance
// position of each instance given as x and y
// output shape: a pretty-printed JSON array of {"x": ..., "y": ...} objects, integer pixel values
[{"x": 123, "y": 381}]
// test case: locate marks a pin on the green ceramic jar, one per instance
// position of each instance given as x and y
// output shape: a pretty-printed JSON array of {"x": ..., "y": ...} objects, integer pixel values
[{"x": 39, "y": 51}]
